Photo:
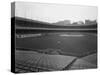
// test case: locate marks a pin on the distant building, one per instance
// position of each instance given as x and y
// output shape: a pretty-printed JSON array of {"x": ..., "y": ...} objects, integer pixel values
[
  {"x": 80, "y": 22},
  {"x": 65, "y": 22},
  {"x": 90, "y": 22},
  {"x": 74, "y": 23}
]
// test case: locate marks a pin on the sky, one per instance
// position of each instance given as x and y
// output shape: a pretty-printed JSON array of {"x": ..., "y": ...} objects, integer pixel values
[{"x": 55, "y": 12}]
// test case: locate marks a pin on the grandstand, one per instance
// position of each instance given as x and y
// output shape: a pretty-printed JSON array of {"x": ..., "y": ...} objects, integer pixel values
[{"x": 29, "y": 61}]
